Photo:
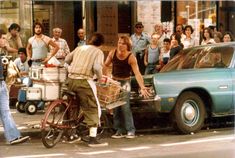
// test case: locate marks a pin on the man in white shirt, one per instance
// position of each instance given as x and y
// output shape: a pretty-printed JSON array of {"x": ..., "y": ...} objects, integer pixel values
[
  {"x": 63, "y": 46},
  {"x": 22, "y": 64},
  {"x": 81, "y": 35}
]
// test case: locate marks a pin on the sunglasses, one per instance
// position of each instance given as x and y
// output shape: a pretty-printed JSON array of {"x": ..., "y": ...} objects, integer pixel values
[{"x": 139, "y": 27}]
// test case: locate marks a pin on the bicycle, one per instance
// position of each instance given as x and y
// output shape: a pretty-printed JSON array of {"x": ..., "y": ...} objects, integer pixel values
[{"x": 64, "y": 119}]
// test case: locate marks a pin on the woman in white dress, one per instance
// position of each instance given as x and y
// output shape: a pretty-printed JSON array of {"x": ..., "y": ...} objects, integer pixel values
[{"x": 188, "y": 41}]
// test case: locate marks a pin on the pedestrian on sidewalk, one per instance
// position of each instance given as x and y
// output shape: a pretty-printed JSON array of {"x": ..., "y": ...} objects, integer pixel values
[
  {"x": 62, "y": 43},
  {"x": 140, "y": 40},
  {"x": 123, "y": 62},
  {"x": 14, "y": 40},
  {"x": 38, "y": 46},
  {"x": 84, "y": 63},
  {"x": 12, "y": 134},
  {"x": 81, "y": 37}
]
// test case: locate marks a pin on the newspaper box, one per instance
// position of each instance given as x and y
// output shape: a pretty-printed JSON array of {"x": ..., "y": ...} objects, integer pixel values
[{"x": 50, "y": 90}]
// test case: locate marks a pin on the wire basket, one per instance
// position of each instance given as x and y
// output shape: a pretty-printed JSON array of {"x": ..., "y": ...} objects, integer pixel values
[{"x": 111, "y": 95}]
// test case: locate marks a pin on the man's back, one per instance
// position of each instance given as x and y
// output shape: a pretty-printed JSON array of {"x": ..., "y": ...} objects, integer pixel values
[{"x": 83, "y": 59}]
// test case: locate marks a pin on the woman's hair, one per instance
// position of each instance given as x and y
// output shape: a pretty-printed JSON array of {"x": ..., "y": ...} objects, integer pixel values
[
  {"x": 188, "y": 26},
  {"x": 177, "y": 37},
  {"x": 96, "y": 39},
  {"x": 230, "y": 35},
  {"x": 209, "y": 31},
  {"x": 127, "y": 41},
  {"x": 40, "y": 24}
]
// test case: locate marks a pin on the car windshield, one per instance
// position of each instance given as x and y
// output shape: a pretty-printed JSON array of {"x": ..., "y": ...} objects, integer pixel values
[{"x": 198, "y": 58}]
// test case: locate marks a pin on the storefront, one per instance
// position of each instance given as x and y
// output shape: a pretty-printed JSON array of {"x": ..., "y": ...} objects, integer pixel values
[
  {"x": 113, "y": 18},
  {"x": 20, "y": 12}
]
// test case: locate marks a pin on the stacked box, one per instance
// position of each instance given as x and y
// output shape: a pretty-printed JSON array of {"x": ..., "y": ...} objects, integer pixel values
[
  {"x": 33, "y": 93},
  {"x": 50, "y": 90},
  {"x": 35, "y": 73},
  {"x": 43, "y": 73},
  {"x": 62, "y": 74},
  {"x": 50, "y": 74}
]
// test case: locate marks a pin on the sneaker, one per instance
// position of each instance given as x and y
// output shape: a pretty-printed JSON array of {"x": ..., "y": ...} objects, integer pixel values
[
  {"x": 94, "y": 143},
  {"x": 74, "y": 140},
  {"x": 19, "y": 140},
  {"x": 118, "y": 135},
  {"x": 130, "y": 135}
]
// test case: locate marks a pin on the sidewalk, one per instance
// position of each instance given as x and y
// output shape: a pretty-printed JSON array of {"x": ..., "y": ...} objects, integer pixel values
[{"x": 27, "y": 124}]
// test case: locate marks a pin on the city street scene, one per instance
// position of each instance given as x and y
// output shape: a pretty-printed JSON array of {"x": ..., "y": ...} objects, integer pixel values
[{"x": 135, "y": 79}]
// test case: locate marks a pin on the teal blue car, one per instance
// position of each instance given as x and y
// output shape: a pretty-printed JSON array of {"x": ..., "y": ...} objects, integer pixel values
[{"x": 198, "y": 83}]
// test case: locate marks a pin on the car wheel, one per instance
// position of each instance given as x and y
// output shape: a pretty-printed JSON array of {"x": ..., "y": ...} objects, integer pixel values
[
  {"x": 30, "y": 108},
  {"x": 189, "y": 113},
  {"x": 20, "y": 107}
]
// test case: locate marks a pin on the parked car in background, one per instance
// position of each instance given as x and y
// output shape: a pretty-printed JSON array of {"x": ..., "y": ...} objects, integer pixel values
[{"x": 198, "y": 83}]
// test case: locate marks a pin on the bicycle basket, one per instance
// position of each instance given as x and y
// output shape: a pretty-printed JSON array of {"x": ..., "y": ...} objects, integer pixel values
[{"x": 111, "y": 95}]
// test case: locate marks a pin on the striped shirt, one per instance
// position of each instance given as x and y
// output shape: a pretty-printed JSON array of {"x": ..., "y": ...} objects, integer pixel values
[
  {"x": 85, "y": 62},
  {"x": 63, "y": 48}
]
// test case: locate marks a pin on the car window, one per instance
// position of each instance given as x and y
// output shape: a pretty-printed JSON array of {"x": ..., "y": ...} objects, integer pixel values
[
  {"x": 189, "y": 59},
  {"x": 215, "y": 57},
  {"x": 183, "y": 60},
  {"x": 201, "y": 57}
]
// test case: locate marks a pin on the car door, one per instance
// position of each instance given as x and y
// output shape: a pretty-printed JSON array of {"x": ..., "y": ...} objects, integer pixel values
[{"x": 223, "y": 97}]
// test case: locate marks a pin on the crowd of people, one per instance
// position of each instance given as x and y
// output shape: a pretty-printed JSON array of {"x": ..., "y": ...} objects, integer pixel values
[
  {"x": 136, "y": 55},
  {"x": 154, "y": 52}
]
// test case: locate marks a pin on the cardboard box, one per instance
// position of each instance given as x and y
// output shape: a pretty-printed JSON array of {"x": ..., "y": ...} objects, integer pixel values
[
  {"x": 108, "y": 93},
  {"x": 50, "y": 90}
]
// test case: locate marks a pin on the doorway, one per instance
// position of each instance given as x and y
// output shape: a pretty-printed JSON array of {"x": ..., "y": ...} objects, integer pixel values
[{"x": 43, "y": 14}]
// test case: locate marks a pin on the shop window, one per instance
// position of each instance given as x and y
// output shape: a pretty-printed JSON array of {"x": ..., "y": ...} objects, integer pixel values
[{"x": 204, "y": 11}]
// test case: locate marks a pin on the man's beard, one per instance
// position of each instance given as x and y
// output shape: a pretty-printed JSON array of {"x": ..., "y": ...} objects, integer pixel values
[{"x": 38, "y": 33}]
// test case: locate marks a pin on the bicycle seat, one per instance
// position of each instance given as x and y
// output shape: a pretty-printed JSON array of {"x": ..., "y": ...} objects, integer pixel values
[{"x": 67, "y": 92}]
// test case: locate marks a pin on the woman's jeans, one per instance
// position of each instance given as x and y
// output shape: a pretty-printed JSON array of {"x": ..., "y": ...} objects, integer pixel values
[
  {"x": 122, "y": 115},
  {"x": 10, "y": 130}
]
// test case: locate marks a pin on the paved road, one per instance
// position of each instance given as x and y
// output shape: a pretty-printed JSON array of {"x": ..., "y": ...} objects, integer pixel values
[
  {"x": 212, "y": 143},
  {"x": 205, "y": 144}
]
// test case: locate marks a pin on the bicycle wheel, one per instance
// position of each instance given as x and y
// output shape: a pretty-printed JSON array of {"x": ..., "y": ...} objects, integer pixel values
[{"x": 53, "y": 123}]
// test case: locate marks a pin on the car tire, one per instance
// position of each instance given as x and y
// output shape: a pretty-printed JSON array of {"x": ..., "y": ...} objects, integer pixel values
[
  {"x": 30, "y": 108},
  {"x": 189, "y": 113},
  {"x": 20, "y": 107}
]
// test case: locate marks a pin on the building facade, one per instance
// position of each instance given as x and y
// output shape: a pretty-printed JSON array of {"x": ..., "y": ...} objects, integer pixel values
[{"x": 113, "y": 18}]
